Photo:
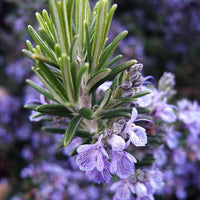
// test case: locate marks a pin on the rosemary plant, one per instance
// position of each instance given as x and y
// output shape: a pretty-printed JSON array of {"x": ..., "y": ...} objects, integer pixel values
[{"x": 96, "y": 98}]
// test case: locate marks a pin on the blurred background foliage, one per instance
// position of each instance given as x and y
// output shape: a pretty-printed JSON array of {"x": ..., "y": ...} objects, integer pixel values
[
  {"x": 163, "y": 34},
  {"x": 169, "y": 31}
]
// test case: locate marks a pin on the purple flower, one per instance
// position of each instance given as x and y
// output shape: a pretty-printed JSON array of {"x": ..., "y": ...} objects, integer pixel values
[
  {"x": 160, "y": 156},
  {"x": 145, "y": 100},
  {"x": 189, "y": 113},
  {"x": 100, "y": 176},
  {"x": 123, "y": 190},
  {"x": 116, "y": 142},
  {"x": 172, "y": 137},
  {"x": 161, "y": 109},
  {"x": 165, "y": 112},
  {"x": 93, "y": 159},
  {"x": 137, "y": 134},
  {"x": 122, "y": 164}
]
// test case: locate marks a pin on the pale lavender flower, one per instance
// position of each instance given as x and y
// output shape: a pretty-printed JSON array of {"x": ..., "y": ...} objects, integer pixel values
[
  {"x": 27, "y": 171},
  {"x": 160, "y": 156},
  {"x": 123, "y": 189},
  {"x": 189, "y": 113},
  {"x": 171, "y": 137},
  {"x": 93, "y": 158},
  {"x": 116, "y": 142},
  {"x": 179, "y": 156},
  {"x": 165, "y": 111},
  {"x": 100, "y": 176},
  {"x": 137, "y": 134},
  {"x": 145, "y": 183},
  {"x": 122, "y": 164},
  {"x": 155, "y": 177},
  {"x": 145, "y": 100}
]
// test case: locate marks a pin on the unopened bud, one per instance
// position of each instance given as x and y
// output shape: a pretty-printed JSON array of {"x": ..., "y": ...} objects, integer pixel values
[
  {"x": 128, "y": 93},
  {"x": 132, "y": 179},
  {"x": 137, "y": 67},
  {"x": 126, "y": 85},
  {"x": 134, "y": 76},
  {"x": 107, "y": 132},
  {"x": 138, "y": 82}
]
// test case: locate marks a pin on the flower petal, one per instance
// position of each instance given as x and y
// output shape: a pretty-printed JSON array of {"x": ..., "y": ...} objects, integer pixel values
[
  {"x": 125, "y": 167},
  {"x": 86, "y": 161},
  {"x": 123, "y": 192},
  {"x": 85, "y": 147},
  {"x": 140, "y": 189},
  {"x": 116, "y": 142},
  {"x": 138, "y": 136},
  {"x": 100, "y": 162}
]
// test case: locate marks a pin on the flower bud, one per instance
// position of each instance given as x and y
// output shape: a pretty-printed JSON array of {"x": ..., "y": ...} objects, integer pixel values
[
  {"x": 137, "y": 67},
  {"x": 134, "y": 76},
  {"x": 126, "y": 85},
  {"x": 138, "y": 82},
  {"x": 128, "y": 93},
  {"x": 107, "y": 132}
]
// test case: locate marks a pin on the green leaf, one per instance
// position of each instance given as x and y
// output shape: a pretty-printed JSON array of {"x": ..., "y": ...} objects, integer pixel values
[
  {"x": 121, "y": 112},
  {"x": 87, "y": 113},
  {"x": 88, "y": 45},
  {"x": 58, "y": 19},
  {"x": 119, "y": 68},
  {"x": 28, "y": 53},
  {"x": 74, "y": 73},
  {"x": 82, "y": 133},
  {"x": 114, "y": 72},
  {"x": 52, "y": 80},
  {"x": 30, "y": 46},
  {"x": 73, "y": 49},
  {"x": 144, "y": 110},
  {"x": 45, "y": 60},
  {"x": 112, "y": 62},
  {"x": 67, "y": 24},
  {"x": 41, "y": 43},
  {"x": 99, "y": 34},
  {"x": 52, "y": 129},
  {"x": 67, "y": 77},
  {"x": 81, "y": 72},
  {"x": 51, "y": 89},
  {"x": 98, "y": 76},
  {"x": 105, "y": 98},
  {"x": 114, "y": 114},
  {"x": 70, "y": 7},
  {"x": 71, "y": 129},
  {"x": 109, "y": 19},
  {"x": 140, "y": 94},
  {"x": 49, "y": 25},
  {"x": 55, "y": 109},
  {"x": 40, "y": 89},
  {"x": 31, "y": 106},
  {"x": 47, "y": 38},
  {"x": 82, "y": 11},
  {"x": 108, "y": 51},
  {"x": 58, "y": 50}
]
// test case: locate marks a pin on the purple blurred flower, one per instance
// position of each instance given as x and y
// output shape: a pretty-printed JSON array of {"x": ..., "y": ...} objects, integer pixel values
[
  {"x": 171, "y": 137},
  {"x": 165, "y": 112},
  {"x": 189, "y": 113},
  {"x": 123, "y": 190}
]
